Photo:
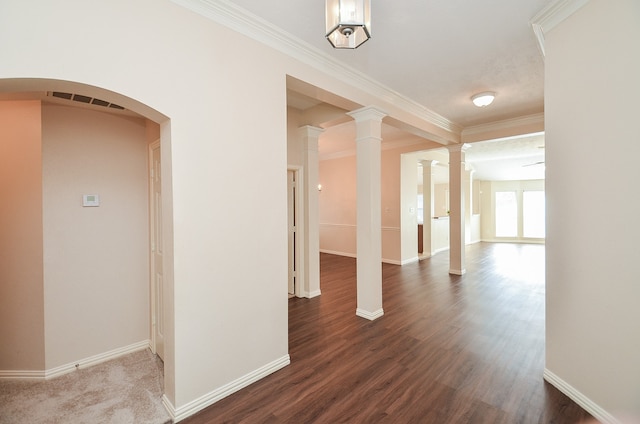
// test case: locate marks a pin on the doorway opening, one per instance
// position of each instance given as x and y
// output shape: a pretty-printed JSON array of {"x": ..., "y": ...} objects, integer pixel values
[{"x": 95, "y": 255}]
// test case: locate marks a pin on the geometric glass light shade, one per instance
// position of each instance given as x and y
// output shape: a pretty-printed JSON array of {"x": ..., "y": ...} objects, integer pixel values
[{"x": 348, "y": 23}]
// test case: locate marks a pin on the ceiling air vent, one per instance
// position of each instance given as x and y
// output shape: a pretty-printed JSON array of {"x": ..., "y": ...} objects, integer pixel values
[
  {"x": 84, "y": 99},
  {"x": 60, "y": 95},
  {"x": 99, "y": 102}
]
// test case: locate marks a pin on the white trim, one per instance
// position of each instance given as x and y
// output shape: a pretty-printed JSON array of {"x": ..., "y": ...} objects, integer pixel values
[
  {"x": 178, "y": 414},
  {"x": 410, "y": 260},
  {"x": 587, "y": 404},
  {"x": 21, "y": 375},
  {"x": 299, "y": 212},
  {"x": 513, "y": 240},
  {"x": 551, "y": 15},
  {"x": 97, "y": 359},
  {"x": 369, "y": 315},
  {"x": 442, "y": 249},
  {"x": 152, "y": 278},
  {"x": 329, "y": 224},
  {"x": 397, "y": 262},
  {"x": 168, "y": 406},
  {"x": 309, "y": 295},
  {"x": 337, "y": 253},
  {"x": 507, "y": 124},
  {"x": 384, "y": 260},
  {"x": 82, "y": 363},
  {"x": 312, "y": 294},
  {"x": 238, "y": 19}
]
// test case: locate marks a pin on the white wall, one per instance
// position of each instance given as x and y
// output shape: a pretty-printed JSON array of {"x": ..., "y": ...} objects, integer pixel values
[
  {"x": 223, "y": 121},
  {"x": 96, "y": 259},
  {"x": 338, "y": 205},
  {"x": 227, "y": 116},
  {"x": 295, "y": 154},
  {"x": 21, "y": 290},
  {"x": 592, "y": 149},
  {"x": 441, "y": 200}
]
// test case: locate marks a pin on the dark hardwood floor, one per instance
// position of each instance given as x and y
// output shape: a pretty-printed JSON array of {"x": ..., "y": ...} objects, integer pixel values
[{"x": 449, "y": 349}]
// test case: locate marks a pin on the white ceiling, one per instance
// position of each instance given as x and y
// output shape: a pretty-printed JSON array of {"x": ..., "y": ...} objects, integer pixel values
[
  {"x": 519, "y": 158},
  {"x": 437, "y": 53}
]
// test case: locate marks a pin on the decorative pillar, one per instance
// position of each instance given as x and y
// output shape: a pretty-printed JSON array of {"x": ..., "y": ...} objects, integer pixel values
[
  {"x": 457, "y": 231},
  {"x": 427, "y": 206},
  {"x": 468, "y": 202},
  {"x": 369, "y": 220},
  {"x": 310, "y": 226}
]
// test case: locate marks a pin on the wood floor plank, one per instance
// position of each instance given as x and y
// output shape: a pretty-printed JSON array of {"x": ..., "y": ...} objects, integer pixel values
[{"x": 449, "y": 349}]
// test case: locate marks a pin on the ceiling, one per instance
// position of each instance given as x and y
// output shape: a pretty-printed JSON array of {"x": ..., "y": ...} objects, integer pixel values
[{"x": 437, "y": 53}]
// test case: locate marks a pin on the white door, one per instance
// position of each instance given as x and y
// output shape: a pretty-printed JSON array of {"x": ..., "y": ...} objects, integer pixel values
[
  {"x": 291, "y": 216},
  {"x": 157, "y": 298}
]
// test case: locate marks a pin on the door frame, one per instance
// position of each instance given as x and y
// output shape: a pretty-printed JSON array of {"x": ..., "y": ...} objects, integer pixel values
[
  {"x": 299, "y": 252},
  {"x": 152, "y": 283}
]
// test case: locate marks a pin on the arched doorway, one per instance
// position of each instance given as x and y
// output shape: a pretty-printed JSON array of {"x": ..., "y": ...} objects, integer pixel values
[{"x": 82, "y": 210}]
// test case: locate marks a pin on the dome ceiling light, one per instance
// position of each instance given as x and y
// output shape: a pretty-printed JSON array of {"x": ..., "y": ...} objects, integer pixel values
[{"x": 483, "y": 99}]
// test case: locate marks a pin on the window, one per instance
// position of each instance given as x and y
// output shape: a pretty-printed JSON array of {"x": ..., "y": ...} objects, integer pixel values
[
  {"x": 506, "y": 214},
  {"x": 533, "y": 214}
]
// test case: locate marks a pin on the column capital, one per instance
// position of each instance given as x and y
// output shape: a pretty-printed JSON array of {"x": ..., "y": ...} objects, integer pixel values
[
  {"x": 454, "y": 148},
  {"x": 368, "y": 113},
  {"x": 310, "y": 131},
  {"x": 427, "y": 162}
]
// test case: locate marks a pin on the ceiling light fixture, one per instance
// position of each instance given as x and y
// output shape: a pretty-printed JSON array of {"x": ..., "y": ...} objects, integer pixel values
[
  {"x": 348, "y": 23},
  {"x": 483, "y": 99}
]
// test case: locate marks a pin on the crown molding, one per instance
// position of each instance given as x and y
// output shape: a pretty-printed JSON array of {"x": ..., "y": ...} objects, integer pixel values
[
  {"x": 238, "y": 19},
  {"x": 551, "y": 15},
  {"x": 505, "y": 125}
]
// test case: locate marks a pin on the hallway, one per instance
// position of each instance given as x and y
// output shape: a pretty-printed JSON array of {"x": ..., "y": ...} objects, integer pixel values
[{"x": 449, "y": 349}]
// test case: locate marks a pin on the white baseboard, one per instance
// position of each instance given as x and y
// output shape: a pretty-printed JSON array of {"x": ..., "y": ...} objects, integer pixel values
[
  {"x": 386, "y": 261},
  {"x": 521, "y": 241},
  {"x": 178, "y": 414},
  {"x": 405, "y": 262},
  {"x": 369, "y": 315},
  {"x": 171, "y": 410},
  {"x": 81, "y": 363},
  {"x": 410, "y": 261},
  {"x": 335, "y": 252},
  {"x": 313, "y": 294},
  {"x": 21, "y": 375},
  {"x": 587, "y": 404}
]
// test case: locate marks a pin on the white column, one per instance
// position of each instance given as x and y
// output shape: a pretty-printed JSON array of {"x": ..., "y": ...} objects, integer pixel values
[
  {"x": 369, "y": 220},
  {"x": 311, "y": 224},
  {"x": 427, "y": 206},
  {"x": 457, "y": 208},
  {"x": 468, "y": 202}
]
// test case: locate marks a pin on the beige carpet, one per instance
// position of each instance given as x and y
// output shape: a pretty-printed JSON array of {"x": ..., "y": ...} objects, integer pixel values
[{"x": 125, "y": 390}]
